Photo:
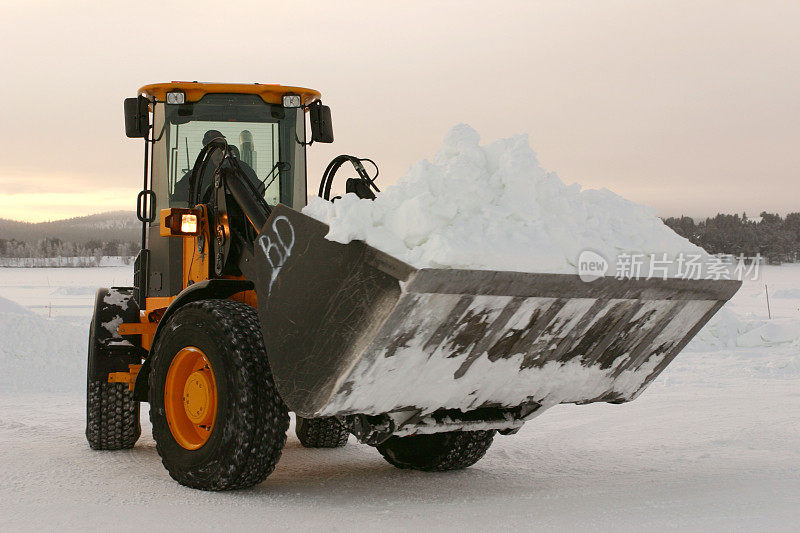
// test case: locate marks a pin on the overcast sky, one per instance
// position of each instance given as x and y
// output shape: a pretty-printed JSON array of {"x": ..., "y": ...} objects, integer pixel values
[{"x": 690, "y": 107}]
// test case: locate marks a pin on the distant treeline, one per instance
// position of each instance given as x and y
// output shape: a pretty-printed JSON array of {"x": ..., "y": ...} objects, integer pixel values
[
  {"x": 80, "y": 241},
  {"x": 80, "y": 252},
  {"x": 777, "y": 239}
]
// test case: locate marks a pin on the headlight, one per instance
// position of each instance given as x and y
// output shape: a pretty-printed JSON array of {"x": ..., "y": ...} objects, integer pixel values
[
  {"x": 189, "y": 224},
  {"x": 291, "y": 100},
  {"x": 176, "y": 97},
  {"x": 180, "y": 222}
]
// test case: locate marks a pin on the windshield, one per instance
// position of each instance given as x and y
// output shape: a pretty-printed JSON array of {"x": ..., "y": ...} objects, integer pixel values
[{"x": 248, "y": 127}]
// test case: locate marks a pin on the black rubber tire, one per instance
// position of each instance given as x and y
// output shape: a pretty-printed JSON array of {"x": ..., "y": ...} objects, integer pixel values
[
  {"x": 250, "y": 428},
  {"x": 112, "y": 415},
  {"x": 320, "y": 432},
  {"x": 452, "y": 450}
]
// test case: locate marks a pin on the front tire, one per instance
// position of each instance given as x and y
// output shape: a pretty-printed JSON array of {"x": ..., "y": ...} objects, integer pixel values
[
  {"x": 320, "y": 432},
  {"x": 452, "y": 450},
  {"x": 227, "y": 429}
]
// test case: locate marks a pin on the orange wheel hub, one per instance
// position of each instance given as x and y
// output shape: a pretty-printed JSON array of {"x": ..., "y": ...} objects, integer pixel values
[{"x": 190, "y": 398}]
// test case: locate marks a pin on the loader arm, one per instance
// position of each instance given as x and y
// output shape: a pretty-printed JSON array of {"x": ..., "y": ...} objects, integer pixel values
[{"x": 232, "y": 217}]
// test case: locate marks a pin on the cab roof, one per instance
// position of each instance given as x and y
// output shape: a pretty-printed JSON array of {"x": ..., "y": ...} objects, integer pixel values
[{"x": 270, "y": 93}]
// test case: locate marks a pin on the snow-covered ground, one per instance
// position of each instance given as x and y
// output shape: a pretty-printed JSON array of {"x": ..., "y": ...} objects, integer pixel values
[{"x": 713, "y": 444}]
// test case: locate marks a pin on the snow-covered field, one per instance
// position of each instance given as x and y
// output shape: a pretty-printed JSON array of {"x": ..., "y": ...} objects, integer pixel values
[{"x": 713, "y": 444}]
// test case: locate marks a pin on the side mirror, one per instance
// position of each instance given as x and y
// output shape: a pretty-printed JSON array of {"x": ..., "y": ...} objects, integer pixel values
[
  {"x": 321, "y": 125},
  {"x": 137, "y": 118}
]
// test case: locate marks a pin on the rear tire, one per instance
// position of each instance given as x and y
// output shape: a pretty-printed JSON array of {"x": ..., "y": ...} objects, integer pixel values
[
  {"x": 452, "y": 450},
  {"x": 112, "y": 415},
  {"x": 321, "y": 432},
  {"x": 248, "y": 431}
]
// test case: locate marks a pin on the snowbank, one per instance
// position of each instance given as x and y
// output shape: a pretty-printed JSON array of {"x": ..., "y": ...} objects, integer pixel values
[
  {"x": 771, "y": 333},
  {"x": 7, "y": 306},
  {"x": 727, "y": 329},
  {"x": 39, "y": 354},
  {"x": 787, "y": 293},
  {"x": 494, "y": 207}
]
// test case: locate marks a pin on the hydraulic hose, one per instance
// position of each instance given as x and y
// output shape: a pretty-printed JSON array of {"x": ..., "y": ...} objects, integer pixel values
[{"x": 336, "y": 163}]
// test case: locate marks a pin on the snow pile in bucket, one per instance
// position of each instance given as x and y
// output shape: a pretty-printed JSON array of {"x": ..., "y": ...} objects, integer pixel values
[{"x": 494, "y": 207}]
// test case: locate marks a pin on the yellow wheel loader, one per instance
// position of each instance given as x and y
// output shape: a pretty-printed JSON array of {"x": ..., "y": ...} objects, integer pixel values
[{"x": 241, "y": 311}]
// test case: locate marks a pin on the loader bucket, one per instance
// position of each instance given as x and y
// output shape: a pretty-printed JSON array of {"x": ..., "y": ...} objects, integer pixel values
[{"x": 351, "y": 330}]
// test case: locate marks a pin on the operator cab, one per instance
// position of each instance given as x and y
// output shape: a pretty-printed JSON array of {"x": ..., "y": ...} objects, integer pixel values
[
  {"x": 260, "y": 129},
  {"x": 254, "y": 120}
]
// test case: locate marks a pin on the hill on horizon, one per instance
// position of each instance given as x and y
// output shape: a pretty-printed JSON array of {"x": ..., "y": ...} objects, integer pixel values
[{"x": 108, "y": 226}]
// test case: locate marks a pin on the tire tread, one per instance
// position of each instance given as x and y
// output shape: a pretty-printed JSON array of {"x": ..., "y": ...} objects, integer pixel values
[
  {"x": 112, "y": 416},
  {"x": 261, "y": 416},
  {"x": 462, "y": 449},
  {"x": 321, "y": 432}
]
